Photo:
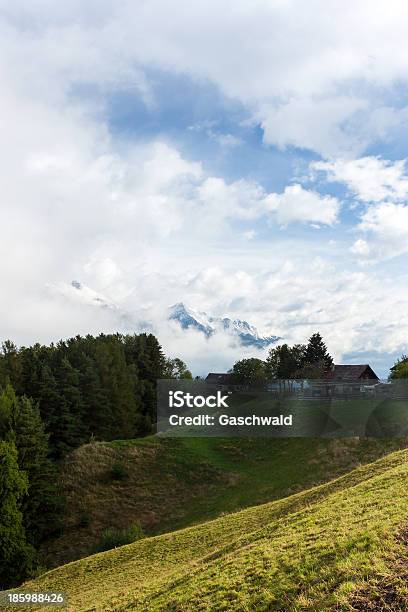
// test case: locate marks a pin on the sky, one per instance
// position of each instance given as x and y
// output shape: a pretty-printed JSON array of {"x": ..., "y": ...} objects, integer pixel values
[{"x": 247, "y": 158}]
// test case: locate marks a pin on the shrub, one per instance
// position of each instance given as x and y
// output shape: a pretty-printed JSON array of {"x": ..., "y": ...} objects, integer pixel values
[
  {"x": 118, "y": 472},
  {"x": 112, "y": 538},
  {"x": 84, "y": 519}
]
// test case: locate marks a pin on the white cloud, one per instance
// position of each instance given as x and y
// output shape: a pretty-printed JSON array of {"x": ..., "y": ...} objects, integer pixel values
[
  {"x": 361, "y": 247},
  {"x": 142, "y": 225},
  {"x": 325, "y": 80},
  {"x": 225, "y": 141},
  {"x": 382, "y": 187},
  {"x": 298, "y": 204},
  {"x": 316, "y": 124},
  {"x": 355, "y": 311},
  {"x": 387, "y": 226},
  {"x": 369, "y": 179}
]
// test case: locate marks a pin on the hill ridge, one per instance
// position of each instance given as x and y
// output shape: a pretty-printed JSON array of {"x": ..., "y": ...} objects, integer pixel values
[{"x": 178, "y": 556}]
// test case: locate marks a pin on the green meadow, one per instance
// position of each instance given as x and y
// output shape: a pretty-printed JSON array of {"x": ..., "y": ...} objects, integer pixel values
[{"x": 338, "y": 546}]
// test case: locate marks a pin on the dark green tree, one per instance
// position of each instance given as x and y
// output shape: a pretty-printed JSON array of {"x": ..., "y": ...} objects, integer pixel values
[
  {"x": 317, "y": 355},
  {"x": 11, "y": 364},
  {"x": 16, "y": 554},
  {"x": 60, "y": 423},
  {"x": 176, "y": 368},
  {"x": 98, "y": 411},
  {"x": 102, "y": 386},
  {"x": 41, "y": 505},
  {"x": 68, "y": 381},
  {"x": 251, "y": 372},
  {"x": 284, "y": 362}
]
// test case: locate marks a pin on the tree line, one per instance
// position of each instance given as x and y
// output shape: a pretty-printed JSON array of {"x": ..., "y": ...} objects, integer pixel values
[
  {"x": 102, "y": 387},
  {"x": 53, "y": 399},
  {"x": 284, "y": 362}
]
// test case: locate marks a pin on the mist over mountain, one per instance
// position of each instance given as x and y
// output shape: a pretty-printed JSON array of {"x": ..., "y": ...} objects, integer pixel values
[
  {"x": 247, "y": 334},
  {"x": 127, "y": 320}
]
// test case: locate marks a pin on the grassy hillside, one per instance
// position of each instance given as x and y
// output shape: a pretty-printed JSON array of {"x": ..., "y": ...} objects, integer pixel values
[
  {"x": 171, "y": 483},
  {"x": 340, "y": 546}
]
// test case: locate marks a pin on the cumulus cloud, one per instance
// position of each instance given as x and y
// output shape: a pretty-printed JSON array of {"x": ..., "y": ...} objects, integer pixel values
[
  {"x": 145, "y": 226},
  {"x": 317, "y": 81},
  {"x": 355, "y": 311},
  {"x": 299, "y": 204},
  {"x": 381, "y": 186},
  {"x": 316, "y": 124},
  {"x": 369, "y": 179},
  {"x": 387, "y": 226}
]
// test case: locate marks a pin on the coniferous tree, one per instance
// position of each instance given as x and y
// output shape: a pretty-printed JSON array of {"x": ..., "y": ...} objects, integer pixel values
[
  {"x": 98, "y": 413},
  {"x": 21, "y": 424},
  {"x": 16, "y": 554},
  {"x": 316, "y": 353},
  {"x": 68, "y": 379},
  {"x": 54, "y": 410},
  {"x": 103, "y": 386},
  {"x": 11, "y": 364},
  {"x": 42, "y": 505}
]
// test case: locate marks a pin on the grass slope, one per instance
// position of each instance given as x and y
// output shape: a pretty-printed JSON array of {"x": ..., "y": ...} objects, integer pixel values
[
  {"x": 173, "y": 483},
  {"x": 314, "y": 550}
]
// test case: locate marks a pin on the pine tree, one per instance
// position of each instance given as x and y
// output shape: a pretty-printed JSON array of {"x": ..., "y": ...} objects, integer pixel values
[
  {"x": 316, "y": 353},
  {"x": 16, "y": 555},
  {"x": 42, "y": 506},
  {"x": 11, "y": 363},
  {"x": 21, "y": 424},
  {"x": 7, "y": 400},
  {"x": 69, "y": 387},
  {"x": 55, "y": 412},
  {"x": 97, "y": 410}
]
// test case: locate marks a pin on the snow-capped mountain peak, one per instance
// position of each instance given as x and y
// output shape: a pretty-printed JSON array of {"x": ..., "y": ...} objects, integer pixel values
[
  {"x": 247, "y": 334},
  {"x": 187, "y": 317}
]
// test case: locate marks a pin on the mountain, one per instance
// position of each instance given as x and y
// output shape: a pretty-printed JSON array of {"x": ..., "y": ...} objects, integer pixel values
[
  {"x": 122, "y": 320},
  {"x": 208, "y": 325},
  {"x": 186, "y": 317}
]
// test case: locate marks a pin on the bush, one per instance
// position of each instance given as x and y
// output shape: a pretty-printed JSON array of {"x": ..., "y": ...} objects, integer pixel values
[
  {"x": 118, "y": 472},
  {"x": 84, "y": 519},
  {"x": 112, "y": 538}
]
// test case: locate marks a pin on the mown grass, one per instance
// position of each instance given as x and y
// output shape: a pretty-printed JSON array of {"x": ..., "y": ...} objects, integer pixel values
[
  {"x": 311, "y": 551},
  {"x": 172, "y": 483}
]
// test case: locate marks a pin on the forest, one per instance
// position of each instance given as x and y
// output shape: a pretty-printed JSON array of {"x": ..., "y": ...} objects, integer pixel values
[{"x": 52, "y": 400}]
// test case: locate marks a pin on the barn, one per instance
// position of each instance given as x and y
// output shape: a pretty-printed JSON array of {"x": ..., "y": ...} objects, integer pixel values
[{"x": 353, "y": 373}]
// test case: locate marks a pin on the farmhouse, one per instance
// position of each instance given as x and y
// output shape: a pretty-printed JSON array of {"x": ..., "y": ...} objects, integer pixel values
[
  {"x": 214, "y": 378},
  {"x": 347, "y": 380},
  {"x": 353, "y": 373},
  {"x": 342, "y": 380}
]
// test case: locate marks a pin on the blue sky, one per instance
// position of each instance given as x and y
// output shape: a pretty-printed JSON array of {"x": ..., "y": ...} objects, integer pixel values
[{"x": 248, "y": 162}]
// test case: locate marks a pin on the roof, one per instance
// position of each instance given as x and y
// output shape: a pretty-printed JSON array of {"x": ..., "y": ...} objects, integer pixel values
[
  {"x": 218, "y": 378},
  {"x": 351, "y": 372}
]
